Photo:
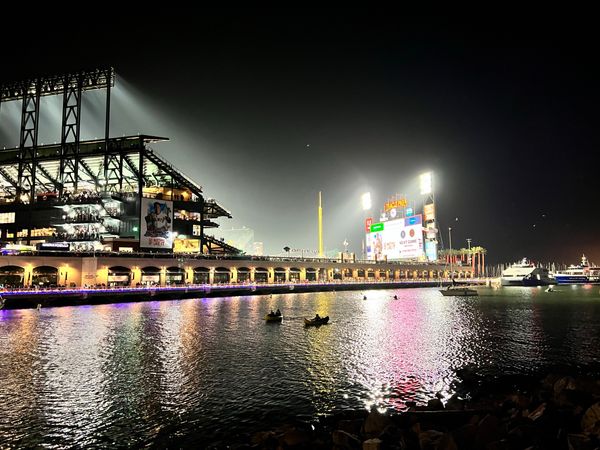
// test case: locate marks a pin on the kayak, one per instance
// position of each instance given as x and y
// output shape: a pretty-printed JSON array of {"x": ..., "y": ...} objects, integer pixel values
[
  {"x": 321, "y": 321},
  {"x": 273, "y": 318}
]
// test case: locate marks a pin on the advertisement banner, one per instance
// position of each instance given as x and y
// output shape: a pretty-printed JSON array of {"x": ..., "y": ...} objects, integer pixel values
[
  {"x": 431, "y": 250},
  {"x": 396, "y": 239},
  {"x": 156, "y": 224},
  {"x": 429, "y": 212}
]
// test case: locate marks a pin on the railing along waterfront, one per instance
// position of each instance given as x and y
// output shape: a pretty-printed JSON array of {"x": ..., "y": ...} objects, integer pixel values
[{"x": 206, "y": 287}]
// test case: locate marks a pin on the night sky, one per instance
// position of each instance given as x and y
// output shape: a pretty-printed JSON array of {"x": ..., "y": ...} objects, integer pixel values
[{"x": 265, "y": 111}]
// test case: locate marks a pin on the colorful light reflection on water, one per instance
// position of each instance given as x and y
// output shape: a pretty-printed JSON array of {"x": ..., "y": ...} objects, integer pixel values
[{"x": 194, "y": 371}]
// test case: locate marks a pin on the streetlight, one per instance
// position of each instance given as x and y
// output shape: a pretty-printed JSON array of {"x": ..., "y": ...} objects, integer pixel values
[{"x": 469, "y": 248}]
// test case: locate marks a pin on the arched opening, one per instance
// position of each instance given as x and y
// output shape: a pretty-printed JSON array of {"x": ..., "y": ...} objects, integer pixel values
[
  {"x": 243, "y": 275},
  {"x": 261, "y": 275},
  {"x": 174, "y": 276},
  {"x": 370, "y": 273},
  {"x": 347, "y": 273},
  {"x": 294, "y": 274},
  {"x": 279, "y": 275},
  {"x": 119, "y": 276},
  {"x": 311, "y": 274},
  {"x": 44, "y": 276},
  {"x": 201, "y": 275},
  {"x": 382, "y": 274},
  {"x": 337, "y": 274},
  {"x": 150, "y": 276},
  {"x": 222, "y": 275},
  {"x": 12, "y": 276}
]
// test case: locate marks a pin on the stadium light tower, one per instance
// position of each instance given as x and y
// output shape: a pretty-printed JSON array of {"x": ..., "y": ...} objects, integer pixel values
[
  {"x": 367, "y": 204},
  {"x": 366, "y": 201},
  {"x": 429, "y": 218}
]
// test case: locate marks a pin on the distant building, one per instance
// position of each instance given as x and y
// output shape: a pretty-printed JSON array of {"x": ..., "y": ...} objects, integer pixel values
[{"x": 241, "y": 238}]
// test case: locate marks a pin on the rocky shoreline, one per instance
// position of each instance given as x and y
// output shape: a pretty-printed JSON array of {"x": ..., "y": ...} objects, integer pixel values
[{"x": 554, "y": 412}]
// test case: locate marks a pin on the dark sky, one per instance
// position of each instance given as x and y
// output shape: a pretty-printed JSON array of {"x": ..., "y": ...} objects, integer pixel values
[{"x": 504, "y": 112}]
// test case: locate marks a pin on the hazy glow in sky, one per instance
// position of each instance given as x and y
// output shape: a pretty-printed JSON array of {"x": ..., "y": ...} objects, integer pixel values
[{"x": 265, "y": 112}]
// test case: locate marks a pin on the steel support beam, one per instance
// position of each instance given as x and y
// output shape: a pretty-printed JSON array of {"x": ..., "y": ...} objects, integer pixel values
[
  {"x": 71, "y": 126},
  {"x": 30, "y": 114}
]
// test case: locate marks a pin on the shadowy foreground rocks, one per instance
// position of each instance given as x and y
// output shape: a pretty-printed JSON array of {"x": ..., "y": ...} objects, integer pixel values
[{"x": 557, "y": 412}]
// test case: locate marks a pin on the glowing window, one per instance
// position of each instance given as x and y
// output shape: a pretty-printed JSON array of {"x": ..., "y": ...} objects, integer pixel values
[{"x": 8, "y": 217}]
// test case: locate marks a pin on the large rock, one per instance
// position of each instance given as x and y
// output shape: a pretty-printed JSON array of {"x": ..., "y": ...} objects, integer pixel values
[
  {"x": 295, "y": 437},
  {"x": 580, "y": 442},
  {"x": 372, "y": 444},
  {"x": 590, "y": 422},
  {"x": 564, "y": 383},
  {"x": 352, "y": 426},
  {"x": 549, "y": 380},
  {"x": 436, "y": 440},
  {"x": 521, "y": 401},
  {"x": 588, "y": 385},
  {"x": 435, "y": 404},
  {"x": 346, "y": 441},
  {"x": 375, "y": 423},
  {"x": 455, "y": 403},
  {"x": 465, "y": 435},
  {"x": 488, "y": 430},
  {"x": 537, "y": 413},
  {"x": 265, "y": 439},
  {"x": 498, "y": 445}
]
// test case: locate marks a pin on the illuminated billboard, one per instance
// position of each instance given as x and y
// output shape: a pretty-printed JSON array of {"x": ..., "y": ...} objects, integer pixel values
[
  {"x": 156, "y": 224},
  {"x": 186, "y": 246},
  {"x": 396, "y": 239}
]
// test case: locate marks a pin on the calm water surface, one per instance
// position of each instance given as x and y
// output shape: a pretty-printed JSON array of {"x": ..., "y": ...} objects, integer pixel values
[{"x": 201, "y": 370}]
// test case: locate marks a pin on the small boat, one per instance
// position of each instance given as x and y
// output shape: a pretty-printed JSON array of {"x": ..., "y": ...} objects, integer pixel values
[
  {"x": 273, "y": 317},
  {"x": 315, "y": 322},
  {"x": 455, "y": 291}
]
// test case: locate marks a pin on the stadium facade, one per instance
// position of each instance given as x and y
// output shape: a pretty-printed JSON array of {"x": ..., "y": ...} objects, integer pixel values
[{"x": 115, "y": 194}]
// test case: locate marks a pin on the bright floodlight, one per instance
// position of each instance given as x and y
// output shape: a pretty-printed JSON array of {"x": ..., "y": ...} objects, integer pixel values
[
  {"x": 366, "y": 201},
  {"x": 426, "y": 183}
]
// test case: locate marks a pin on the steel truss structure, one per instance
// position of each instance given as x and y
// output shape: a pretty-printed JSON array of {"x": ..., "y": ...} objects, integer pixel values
[{"x": 36, "y": 178}]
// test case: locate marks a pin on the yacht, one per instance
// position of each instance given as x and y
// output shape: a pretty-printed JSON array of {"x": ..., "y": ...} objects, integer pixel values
[
  {"x": 581, "y": 273},
  {"x": 526, "y": 273}
]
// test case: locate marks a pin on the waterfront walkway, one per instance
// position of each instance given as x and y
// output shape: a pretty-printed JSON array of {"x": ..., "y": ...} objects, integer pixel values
[{"x": 30, "y": 298}]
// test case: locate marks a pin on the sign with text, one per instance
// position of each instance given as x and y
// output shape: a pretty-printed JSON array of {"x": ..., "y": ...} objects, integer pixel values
[
  {"x": 397, "y": 203},
  {"x": 398, "y": 239}
]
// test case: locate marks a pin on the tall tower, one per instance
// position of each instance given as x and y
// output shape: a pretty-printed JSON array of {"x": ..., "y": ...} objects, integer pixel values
[{"x": 320, "y": 227}]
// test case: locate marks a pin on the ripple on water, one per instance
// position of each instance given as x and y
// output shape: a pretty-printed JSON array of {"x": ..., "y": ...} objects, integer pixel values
[{"x": 159, "y": 372}]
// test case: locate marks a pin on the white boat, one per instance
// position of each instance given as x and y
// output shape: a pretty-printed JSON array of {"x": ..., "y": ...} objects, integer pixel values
[
  {"x": 581, "y": 273},
  {"x": 458, "y": 291},
  {"x": 454, "y": 290},
  {"x": 526, "y": 273}
]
